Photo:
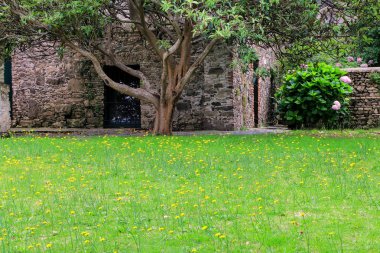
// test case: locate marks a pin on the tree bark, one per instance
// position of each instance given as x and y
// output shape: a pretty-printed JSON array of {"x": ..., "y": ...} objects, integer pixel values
[{"x": 163, "y": 120}]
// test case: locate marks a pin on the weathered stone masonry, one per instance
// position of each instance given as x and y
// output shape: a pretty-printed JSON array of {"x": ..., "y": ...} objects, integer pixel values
[
  {"x": 244, "y": 92},
  {"x": 49, "y": 92},
  {"x": 365, "y": 101},
  {"x": 53, "y": 92},
  {"x": 5, "y": 122}
]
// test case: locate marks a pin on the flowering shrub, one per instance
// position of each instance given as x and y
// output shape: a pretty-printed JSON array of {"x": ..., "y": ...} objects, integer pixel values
[
  {"x": 316, "y": 96},
  {"x": 352, "y": 62}
]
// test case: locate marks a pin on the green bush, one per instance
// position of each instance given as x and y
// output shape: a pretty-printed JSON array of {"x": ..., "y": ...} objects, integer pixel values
[
  {"x": 308, "y": 94},
  {"x": 375, "y": 77}
]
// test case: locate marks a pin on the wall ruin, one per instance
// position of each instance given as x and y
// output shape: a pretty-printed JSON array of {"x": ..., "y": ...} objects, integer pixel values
[
  {"x": 365, "y": 100},
  {"x": 66, "y": 93},
  {"x": 5, "y": 109}
]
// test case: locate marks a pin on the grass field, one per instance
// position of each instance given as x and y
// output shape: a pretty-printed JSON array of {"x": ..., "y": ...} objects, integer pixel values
[{"x": 296, "y": 192}]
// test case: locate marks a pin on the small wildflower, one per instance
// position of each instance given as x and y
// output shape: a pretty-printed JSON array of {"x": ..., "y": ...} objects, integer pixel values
[
  {"x": 49, "y": 245},
  {"x": 204, "y": 227},
  {"x": 85, "y": 233}
]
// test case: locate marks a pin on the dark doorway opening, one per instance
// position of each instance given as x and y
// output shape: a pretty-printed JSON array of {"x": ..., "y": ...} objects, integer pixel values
[
  {"x": 8, "y": 79},
  {"x": 121, "y": 111},
  {"x": 256, "y": 94}
]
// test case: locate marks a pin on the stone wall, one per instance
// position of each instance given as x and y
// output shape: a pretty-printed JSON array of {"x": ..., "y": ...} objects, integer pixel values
[
  {"x": 53, "y": 92},
  {"x": 5, "y": 120},
  {"x": 267, "y": 88},
  {"x": 365, "y": 101},
  {"x": 243, "y": 82},
  {"x": 243, "y": 95},
  {"x": 1, "y": 71},
  {"x": 206, "y": 102},
  {"x": 216, "y": 102},
  {"x": 5, "y": 109}
]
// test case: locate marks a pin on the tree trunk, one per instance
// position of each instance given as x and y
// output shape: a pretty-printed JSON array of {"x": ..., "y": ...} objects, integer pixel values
[{"x": 163, "y": 120}]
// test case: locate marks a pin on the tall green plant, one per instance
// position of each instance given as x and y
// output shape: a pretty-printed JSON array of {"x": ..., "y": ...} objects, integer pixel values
[{"x": 314, "y": 96}]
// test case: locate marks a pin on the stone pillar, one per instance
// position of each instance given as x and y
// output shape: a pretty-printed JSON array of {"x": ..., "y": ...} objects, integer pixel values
[{"x": 5, "y": 119}]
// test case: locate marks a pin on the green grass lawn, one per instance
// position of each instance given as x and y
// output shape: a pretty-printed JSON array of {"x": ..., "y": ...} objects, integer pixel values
[{"x": 299, "y": 192}]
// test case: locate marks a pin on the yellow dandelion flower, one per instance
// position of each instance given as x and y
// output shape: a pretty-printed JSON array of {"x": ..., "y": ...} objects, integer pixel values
[
  {"x": 49, "y": 245},
  {"x": 204, "y": 227},
  {"x": 85, "y": 233}
]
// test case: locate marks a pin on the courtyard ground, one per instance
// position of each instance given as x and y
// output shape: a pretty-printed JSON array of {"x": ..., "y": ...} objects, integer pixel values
[{"x": 290, "y": 192}]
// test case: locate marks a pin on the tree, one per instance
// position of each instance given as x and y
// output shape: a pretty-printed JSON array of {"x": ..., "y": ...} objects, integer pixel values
[
  {"x": 367, "y": 31},
  {"x": 169, "y": 27}
]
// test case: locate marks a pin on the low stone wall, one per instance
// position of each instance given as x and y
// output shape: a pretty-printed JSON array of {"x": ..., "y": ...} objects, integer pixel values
[{"x": 365, "y": 101}]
